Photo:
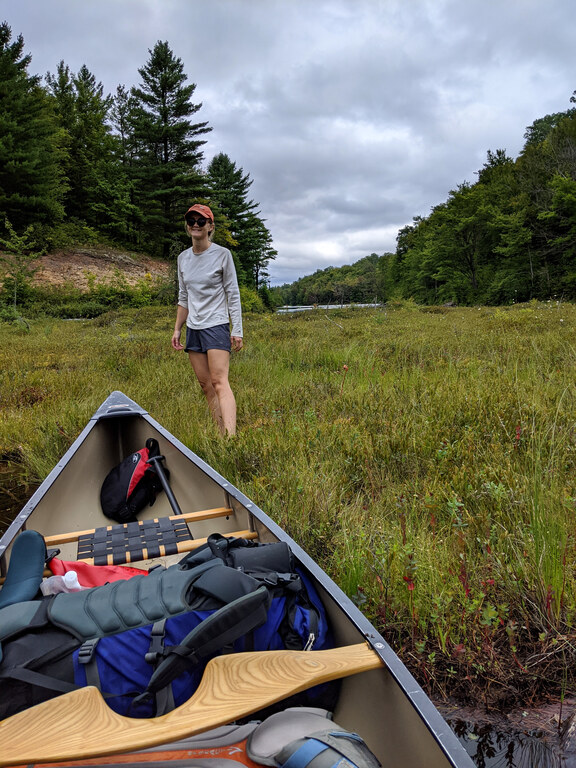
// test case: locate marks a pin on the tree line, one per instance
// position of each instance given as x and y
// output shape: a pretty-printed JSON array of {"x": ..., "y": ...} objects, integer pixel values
[
  {"x": 361, "y": 283},
  {"x": 508, "y": 237},
  {"x": 78, "y": 165}
]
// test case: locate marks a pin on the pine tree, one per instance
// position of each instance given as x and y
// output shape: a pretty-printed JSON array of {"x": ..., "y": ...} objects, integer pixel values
[
  {"x": 253, "y": 241},
  {"x": 96, "y": 193},
  {"x": 31, "y": 182},
  {"x": 166, "y": 147},
  {"x": 121, "y": 114},
  {"x": 256, "y": 249}
]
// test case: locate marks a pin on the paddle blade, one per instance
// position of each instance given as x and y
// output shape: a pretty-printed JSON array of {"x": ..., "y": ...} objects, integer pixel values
[{"x": 79, "y": 725}]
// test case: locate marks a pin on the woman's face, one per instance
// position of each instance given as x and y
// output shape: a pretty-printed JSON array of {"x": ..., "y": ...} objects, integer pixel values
[{"x": 199, "y": 227}]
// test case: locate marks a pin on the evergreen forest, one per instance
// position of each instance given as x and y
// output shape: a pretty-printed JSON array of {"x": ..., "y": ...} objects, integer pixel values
[{"x": 79, "y": 166}]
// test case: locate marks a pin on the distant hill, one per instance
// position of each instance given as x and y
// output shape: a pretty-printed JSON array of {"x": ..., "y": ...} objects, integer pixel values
[{"x": 362, "y": 282}]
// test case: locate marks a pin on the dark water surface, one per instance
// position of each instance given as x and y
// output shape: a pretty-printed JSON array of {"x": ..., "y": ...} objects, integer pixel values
[
  {"x": 487, "y": 746},
  {"x": 490, "y": 748}
]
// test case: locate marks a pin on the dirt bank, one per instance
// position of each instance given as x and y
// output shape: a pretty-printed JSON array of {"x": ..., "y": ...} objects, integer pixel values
[{"x": 80, "y": 266}]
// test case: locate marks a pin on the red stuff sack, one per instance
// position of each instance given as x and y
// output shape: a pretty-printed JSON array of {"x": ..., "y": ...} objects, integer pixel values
[{"x": 94, "y": 575}]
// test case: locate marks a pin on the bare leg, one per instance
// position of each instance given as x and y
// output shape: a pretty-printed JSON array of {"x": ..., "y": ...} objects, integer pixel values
[
  {"x": 199, "y": 362},
  {"x": 211, "y": 370},
  {"x": 219, "y": 365}
]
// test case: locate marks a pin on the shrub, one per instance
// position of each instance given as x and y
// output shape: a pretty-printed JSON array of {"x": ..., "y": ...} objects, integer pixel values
[
  {"x": 251, "y": 302},
  {"x": 72, "y": 233},
  {"x": 76, "y": 309},
  {"x": 271, "y": 301},
  {"x": 8, "y": 315}
]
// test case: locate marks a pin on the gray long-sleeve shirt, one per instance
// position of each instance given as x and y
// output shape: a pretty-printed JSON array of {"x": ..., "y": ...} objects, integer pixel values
[{"x": 208, "y": 288}]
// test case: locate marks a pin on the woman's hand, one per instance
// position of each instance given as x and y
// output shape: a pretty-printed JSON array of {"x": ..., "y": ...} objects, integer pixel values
[
  {"x": 237, "y": 343},
  {"x": 176, "y": 341}
]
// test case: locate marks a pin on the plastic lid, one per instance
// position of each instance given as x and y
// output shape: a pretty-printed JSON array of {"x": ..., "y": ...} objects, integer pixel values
[{"x": 71, "y": 579}]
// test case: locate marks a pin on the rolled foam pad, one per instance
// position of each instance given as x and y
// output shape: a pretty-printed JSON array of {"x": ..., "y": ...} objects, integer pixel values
[{"x": 25, "y": 569}]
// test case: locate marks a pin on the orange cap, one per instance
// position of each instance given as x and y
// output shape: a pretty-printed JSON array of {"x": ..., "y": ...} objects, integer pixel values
[{"x": 203, "y": 210}]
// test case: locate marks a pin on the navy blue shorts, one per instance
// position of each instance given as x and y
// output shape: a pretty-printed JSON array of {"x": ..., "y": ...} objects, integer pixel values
[{"x": 204, "y": 339}]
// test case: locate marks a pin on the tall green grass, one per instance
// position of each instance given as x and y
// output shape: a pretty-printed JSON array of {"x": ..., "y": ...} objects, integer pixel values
[{"x": 423, "y": 456}]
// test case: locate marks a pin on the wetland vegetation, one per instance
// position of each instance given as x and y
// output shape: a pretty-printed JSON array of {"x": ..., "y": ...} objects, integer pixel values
[{"x": 424, "y": 456}]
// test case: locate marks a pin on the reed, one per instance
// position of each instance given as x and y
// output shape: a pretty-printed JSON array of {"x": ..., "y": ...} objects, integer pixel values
[{"x": 424, "y": 456}]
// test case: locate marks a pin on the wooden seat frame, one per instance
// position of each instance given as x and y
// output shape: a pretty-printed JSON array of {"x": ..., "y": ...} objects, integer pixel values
[{"x": 186, "y": 545}]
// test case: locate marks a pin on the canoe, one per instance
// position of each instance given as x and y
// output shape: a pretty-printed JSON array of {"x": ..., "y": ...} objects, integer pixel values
[{"x": 378, "y": 698}]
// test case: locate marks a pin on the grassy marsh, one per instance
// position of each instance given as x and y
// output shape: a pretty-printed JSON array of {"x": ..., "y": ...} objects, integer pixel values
[{"x": 424, "y": 456}]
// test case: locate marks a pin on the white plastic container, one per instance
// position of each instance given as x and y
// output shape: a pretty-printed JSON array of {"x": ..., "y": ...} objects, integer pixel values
[{"x": 65, "y": 583}]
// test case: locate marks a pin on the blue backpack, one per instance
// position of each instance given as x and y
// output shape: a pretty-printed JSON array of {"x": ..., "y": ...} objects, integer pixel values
[
  {"x": 145, "y": 642},
  {"x": 150, "y": 670}
]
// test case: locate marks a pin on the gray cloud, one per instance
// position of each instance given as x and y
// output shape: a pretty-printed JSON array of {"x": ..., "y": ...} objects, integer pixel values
[{"x": 351, "y": 118}]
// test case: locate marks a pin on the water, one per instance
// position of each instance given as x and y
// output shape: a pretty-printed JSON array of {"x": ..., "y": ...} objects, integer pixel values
[
  {"x": 490, "y": 748},
  {"x": 307, "y": 308}
]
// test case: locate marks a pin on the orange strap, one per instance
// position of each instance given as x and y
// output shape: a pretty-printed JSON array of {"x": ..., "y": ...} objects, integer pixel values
[{"x": 236, "y": 752}]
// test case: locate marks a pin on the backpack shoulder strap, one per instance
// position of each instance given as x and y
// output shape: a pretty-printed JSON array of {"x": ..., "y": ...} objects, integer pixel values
[
  {"x": 222, "y": 628},
  {"x": 20, "y": 616}
]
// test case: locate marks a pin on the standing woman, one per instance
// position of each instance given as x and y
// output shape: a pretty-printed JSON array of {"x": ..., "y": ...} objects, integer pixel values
[{"x": 208, "y": 300}]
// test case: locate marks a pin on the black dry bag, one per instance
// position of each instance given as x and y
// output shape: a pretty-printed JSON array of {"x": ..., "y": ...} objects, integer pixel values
[{"x": 131, "y": 485}]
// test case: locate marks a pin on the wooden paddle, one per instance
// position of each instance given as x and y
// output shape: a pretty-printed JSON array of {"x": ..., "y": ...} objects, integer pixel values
[{"x": 80, "y": 725}]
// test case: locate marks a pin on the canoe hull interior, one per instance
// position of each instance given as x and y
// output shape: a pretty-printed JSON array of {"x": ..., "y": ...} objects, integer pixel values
[{"x": 385, "y": 706}]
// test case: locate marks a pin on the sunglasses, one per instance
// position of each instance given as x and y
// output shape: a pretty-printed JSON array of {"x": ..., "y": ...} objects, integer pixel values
[{"x": 200, "y": 222}]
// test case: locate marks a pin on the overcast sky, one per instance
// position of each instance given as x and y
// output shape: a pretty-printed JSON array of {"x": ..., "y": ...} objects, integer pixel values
[{"x": 350, "y": 116}]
